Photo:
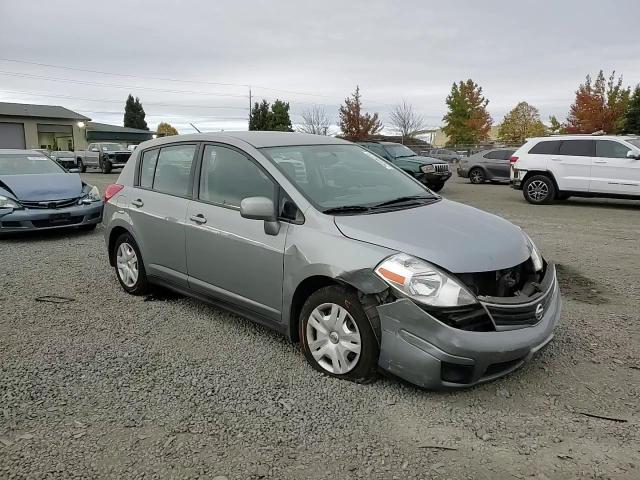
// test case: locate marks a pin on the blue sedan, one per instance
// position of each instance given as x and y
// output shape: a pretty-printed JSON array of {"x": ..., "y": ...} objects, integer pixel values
[{"x": 36, "y": 193}]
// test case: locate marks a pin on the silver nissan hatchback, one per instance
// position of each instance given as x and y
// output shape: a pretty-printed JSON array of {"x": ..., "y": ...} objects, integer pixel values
[{"x": 336, "y": 248}]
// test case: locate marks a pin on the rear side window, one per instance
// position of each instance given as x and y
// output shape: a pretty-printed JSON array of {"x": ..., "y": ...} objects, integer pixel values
[
  {"x": 611, "y": 149},
  {"x": 498, "y": 154},
  {"x": 546, "y": 148},
  {"x": 148, "y": 168},
  {"x": 173, "y": 170},
  {"x": 228, "y": 177},
  {"x": 577, "y": 148}
]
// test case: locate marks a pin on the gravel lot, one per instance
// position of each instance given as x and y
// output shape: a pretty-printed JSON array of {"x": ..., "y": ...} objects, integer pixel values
[{"x": 110, "y": 385}]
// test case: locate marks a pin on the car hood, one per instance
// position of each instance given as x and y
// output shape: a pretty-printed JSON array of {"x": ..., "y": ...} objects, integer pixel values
[
  {"x": 118, "y": 152},
  {"x": 456, "y": 237},
  {"x": 420, "y": 160},
  {"x": 50, "y": 186}
]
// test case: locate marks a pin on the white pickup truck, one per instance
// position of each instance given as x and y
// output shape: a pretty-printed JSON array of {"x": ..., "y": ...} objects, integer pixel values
[{"x": 103, "y": 155}]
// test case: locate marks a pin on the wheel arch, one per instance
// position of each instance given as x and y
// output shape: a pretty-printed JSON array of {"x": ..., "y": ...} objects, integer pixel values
[
  {"x": 546, "y": 173},
  {"x": 113, "y": 236}
]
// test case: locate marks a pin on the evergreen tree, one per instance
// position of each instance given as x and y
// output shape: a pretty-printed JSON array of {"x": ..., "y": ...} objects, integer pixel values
[
  {"x": 280, "y": 120},
  {"x": 467, "y": 121},
  {"x": 632, "y": 117},
  {"x": 134, "y": 114},
  {"x": 260, "y": 116}
]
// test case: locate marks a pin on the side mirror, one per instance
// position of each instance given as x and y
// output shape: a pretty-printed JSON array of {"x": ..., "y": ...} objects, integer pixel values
[
  {"x": 633, "y": 154},
  {"x": 73, "y": 170},
  {"x": 261, "y": 208},
  {"x": 93, "y": 150}
]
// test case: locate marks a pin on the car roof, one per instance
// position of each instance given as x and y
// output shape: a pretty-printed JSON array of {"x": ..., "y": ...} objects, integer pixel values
[
  {"x": 17, "y": 151},
  {"x": 585, "y": 137},
  {"x": 255, "y": 139}
]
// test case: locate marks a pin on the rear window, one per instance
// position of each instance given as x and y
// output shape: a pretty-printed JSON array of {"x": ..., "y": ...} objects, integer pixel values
[
  {"x": 546, "y": 147},
  {"x": 577, "y": 148}
]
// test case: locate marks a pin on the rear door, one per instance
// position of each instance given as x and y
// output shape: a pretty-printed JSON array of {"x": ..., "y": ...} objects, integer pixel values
[
  {"x": 613, "y": 172},
  {"x": 158, "y": 209},
  {"x": 571, "y": 166},
  {"x": 497, "y": 163},
  {"x": 230, "y": 257}
]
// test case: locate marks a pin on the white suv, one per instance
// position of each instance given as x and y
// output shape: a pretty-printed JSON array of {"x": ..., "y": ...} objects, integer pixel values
[{"x": 555, "y": 168}]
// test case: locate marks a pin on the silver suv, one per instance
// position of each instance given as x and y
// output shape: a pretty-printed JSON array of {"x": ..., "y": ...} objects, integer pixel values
[{"x": 336, "y": 248}]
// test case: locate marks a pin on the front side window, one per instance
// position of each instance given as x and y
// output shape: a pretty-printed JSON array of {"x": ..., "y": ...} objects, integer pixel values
[
  {"x": 611, "y": 149},
  {"x": 546, "y": 147},
  {"x": 173, "y": 170},
  {"x": 227, "y": 177},
  {"x": 342, "y": 175},
  {"x": 27, "y": 164},
  {"x": 577, "y": 148},
  {"x": 112, "y": 147}
]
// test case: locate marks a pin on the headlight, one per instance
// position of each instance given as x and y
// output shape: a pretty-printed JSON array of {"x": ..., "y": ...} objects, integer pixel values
[
  {"x": 536, "y": 257},
  {"x": 92, "y": 195},
  {"x": 428, "y": 168},
  {"x": 6, "y": 202},
  {"x": 422, "y": 282}
]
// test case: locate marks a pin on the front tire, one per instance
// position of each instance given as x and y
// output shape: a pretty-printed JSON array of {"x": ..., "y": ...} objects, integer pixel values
[
  {"x": 105, "y": 165},
  {"x": 129, "y": 265},
  {"x": 437, "y": 187},
  {"x": 477, "y": 176},
  {"x": 81, "y": 166},
  {"x": 539, "y": 190},
  {"x": 336, "y": 335}
]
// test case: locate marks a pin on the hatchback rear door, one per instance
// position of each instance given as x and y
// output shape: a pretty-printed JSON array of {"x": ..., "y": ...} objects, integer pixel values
[{"x": 231, "y": 258}]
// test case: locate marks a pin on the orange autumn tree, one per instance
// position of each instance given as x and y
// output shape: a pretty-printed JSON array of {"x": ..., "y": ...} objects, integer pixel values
[
  {"x": 355, "y": 125},
  {"x": 599, "y": 106}
]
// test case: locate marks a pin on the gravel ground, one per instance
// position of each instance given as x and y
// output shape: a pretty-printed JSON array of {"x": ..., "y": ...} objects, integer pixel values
[{"x": 110, "y": 385}]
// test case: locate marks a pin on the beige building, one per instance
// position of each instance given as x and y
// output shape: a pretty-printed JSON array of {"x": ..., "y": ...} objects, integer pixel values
[{"x": 439, "y": 139}]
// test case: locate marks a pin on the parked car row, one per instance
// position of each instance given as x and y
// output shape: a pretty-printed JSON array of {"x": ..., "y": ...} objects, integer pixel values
[{"x": 105, "y": 156}]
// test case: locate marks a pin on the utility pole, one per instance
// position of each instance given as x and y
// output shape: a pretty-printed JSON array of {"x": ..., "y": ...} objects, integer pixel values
[{"x": 249, "y": 126}]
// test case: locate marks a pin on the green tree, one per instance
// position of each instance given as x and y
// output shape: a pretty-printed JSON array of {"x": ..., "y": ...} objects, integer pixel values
[
  {"x": 467, "y": 120},
  {"x": 270, "y": 117},
  {"x": 134, "y": 116},
  {"x": 521, "y": 123},
  {"x": 599, "y": 106},
  {"x": 556, "y": 126},
  {"x": 355, "y": 125},
  {"x": 280, "y": 120},
  {"x": 632, "y": 117},
  {"x": 165, "y": 129}
]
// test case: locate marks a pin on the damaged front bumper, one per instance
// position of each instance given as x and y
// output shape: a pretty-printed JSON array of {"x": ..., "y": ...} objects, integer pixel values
[{"x": 417, "y": 347}]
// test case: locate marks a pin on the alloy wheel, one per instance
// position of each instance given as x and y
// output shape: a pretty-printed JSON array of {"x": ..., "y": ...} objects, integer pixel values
[
  {"x": 476, "y": 176},
  {"x": 538, "y": 190},
  {"x": 333, "y": 338},
  {"x": 127, "y": 264}
]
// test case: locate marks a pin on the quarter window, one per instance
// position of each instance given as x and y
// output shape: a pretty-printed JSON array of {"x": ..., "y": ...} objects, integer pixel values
[
  {"x": 148, "y": 168},
  {"x": 228, "y": 177},
  {"x": 546, "y": 148},
  {"x": 611, "y": 149},
  {"x": 173, "y": 170},
  {"x": 577, "y": 148}
]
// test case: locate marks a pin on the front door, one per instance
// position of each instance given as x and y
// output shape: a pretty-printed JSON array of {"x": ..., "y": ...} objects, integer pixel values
[
  {"x": 613, "y": 172},
  {"x": 229, "y": 257},
  {"x": 571, "y": 166},
  {"x": 92, "y": 155},
  {"x": 158, "y": 208}
]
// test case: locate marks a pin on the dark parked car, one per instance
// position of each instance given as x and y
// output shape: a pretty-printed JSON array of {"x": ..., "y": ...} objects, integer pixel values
[
  {"x": 36, "y": 193},
  {"x": 430, "y": 171},
  {"x": 490, "y": 165}
]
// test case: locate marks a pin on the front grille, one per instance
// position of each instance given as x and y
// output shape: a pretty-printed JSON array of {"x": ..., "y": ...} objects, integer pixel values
[
  {"x": 57, "y": 223},
  {"x": 120, "y": 157},
  {"x": 501, "y": 367},
  {"x": 52, "y": 204},
  {"x": 472, "y": 318},
  {"x": 441, "y": 167},
  {"x": 516, "y": 315}
]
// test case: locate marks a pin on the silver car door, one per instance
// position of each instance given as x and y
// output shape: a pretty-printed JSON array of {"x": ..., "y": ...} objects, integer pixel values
[
  {"x": 91, "y": 154},
  {"x": 230, "y": 257},
  {"x": 158, "y": 208}
]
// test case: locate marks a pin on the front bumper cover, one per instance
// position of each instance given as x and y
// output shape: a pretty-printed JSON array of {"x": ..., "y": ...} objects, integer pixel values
[
  {"x": 419, "y": 348},
  {"x": 50, "y": 218},
  {"x": 434, "y": 178}
]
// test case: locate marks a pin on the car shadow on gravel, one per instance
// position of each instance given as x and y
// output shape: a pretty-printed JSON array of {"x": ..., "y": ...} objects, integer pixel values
[
  {"x": 46, "y": 235},
  {"x": 576, "y": 286}
]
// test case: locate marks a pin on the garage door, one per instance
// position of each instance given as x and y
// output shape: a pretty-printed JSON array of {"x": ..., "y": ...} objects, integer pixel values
[{"x": 12, "y": 135}]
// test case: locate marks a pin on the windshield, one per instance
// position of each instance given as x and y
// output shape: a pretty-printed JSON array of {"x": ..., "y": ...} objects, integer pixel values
[
  {"x": 27, "y": 164},
  {"x": 343, "y": 175},
  {"x": 111, "y": 147},
  {"x": 398, "y": 151}
]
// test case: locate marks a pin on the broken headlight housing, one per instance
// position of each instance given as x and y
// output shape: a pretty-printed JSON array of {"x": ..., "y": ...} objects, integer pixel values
[
  {"x": 6, "y": 202},
  {"x": 423, "y": 282},
  {"x": 92, "y": 194},
  {"x": 536, "y": 256}
]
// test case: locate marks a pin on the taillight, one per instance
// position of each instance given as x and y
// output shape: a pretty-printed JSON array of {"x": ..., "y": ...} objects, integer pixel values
[
  {"x": 111, "y": 191},
  {"x": 513, "y": 159}
]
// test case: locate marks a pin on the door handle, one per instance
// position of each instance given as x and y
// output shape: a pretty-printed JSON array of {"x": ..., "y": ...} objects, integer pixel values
[
  {"x": 137, "y": 203},
  {"x": 556, "y": 159},
  {"x": 599, "y": 161},
  {"x": 199, "y": 219}
]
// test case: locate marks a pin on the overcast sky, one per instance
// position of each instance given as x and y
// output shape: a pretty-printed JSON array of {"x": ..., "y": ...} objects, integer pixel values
[{"x": 307, "y": 53}]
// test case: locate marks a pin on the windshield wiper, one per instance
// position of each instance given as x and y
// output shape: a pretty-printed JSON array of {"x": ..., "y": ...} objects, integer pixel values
[
  {"x": 408, "y": 198},
  {"x": 347, "y": 209}
]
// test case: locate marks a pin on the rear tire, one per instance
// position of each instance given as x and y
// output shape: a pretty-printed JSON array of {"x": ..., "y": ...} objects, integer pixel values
[
  {"x": 129, "y": 266},
  {"x": 336, "y": 335},
  {"x": 477, "y": 176},
  {"x": 81, "y": 166},
  {"x": 539, "y": 190}
]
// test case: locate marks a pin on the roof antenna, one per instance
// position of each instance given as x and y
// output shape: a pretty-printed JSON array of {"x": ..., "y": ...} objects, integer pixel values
[{"x": 195, "y": 128}]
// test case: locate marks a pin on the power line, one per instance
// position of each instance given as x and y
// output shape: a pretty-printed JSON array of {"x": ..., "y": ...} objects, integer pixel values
[
  {"x": 68, "y": 97},
  {"x": 164, "y": 115}
]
